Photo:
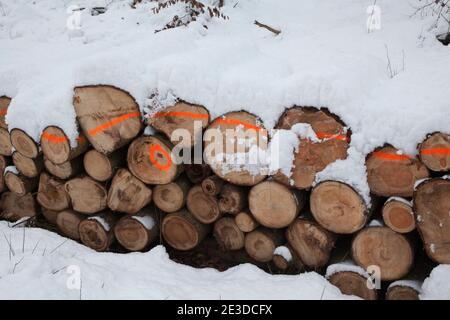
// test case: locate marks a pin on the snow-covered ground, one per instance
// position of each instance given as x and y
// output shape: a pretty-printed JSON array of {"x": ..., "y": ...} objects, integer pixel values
[{"x": 324, "y": 56}]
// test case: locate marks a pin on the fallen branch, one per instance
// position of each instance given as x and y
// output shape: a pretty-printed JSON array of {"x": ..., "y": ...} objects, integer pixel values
[{"x": 265, "y": 26}]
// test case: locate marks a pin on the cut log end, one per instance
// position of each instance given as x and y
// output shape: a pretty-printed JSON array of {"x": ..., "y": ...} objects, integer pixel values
[
  {"x": 246, "y": 222},
  {"x": 87, "y": 195},
  {"x": 6, "y": 148},
  {"x": 435, "y": 152},
  {"x": 212, "y": 185},
  {"x": 182, "y": 231},
  {"x": 228, "y": 235},
  {"x": 149, "y": 159},
  {"x": 380, "y": 246},
  {"x": 68, "y": 222},
  {"x": 15, "y": 207},
  {"x": 171, "y": 197},
  {"x": 352, "y": 283},
  {"x": 261, "y": 243},
  {"x": 196, "y": 173},
  {"x": 203, "y": 207},
  {"x": 52, "y": 194},
  {"x": 390, "y": 173},
  {"x": 136, "y": 233},
  {"x": 65, "y": 170},
  {"x": 398, "y": 215},
  {"x": 24, "y": 144},
  {"x": 96, "y": 232},
  {"x": 338, "y": 208},
  {"x": 20, "y": 184},
  {"x": 98, "y": 165},
  {"x": 29, "y": 167},
  {"x": 398, "y": 292},
  {"x": 431, "y": 209},
  {"x": 56, "y": 146},
  {"x": 233, "y": 199},
  {"x": 273, "y": 205}
]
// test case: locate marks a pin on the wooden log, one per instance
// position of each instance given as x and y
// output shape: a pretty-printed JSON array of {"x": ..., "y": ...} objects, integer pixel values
[
  {"x": 149, "y": 159},
  {"x": 86, "y": 195},
  {"x": 127, "y": 193},
  {"x": 24, "y": 144},
  {"x": 398, "y": 215},
  {"x": 52, "y": 194},
  {"x": 434, "y": 152},
  {"x": 431, "y": 209},
  {"x": 313, "y": 157},
  {"x": 108, "y": 116},
  {"x": 97, "y": 231},
  {"x": 57, "y": 148},
  {"x": 286, "y": 260},
  {"x": 182, "y": 231},
  {"x": 29, "y": 167},
  {"x": 203, "y": 207},
  {"x": 390, "y": 173},
  {"x": 65, "y": 170},
  {"x": 4, "y": 162},
  {"x": 49, "y": 215},
  {"x": 171, "y": 197},
  {"x": 196, "y": 173},
  {"x": 68, "y": 222},
  {"x": 233, "y": 135},
  {"x": 185, "y": 116},
  {"x": 380, "y": 246},
  {"x": 245, "y": 221},
  {"x": 261, "y": 243},
  {"x": 338, "y": 207},
  {"x": 311, "y": 242},
  {"x": 14, "y": 207},
  {"x": 102, "y": 167},
  {"x": 274, "y": 205},
  {"x": 137, "y": 232},
  {"x": 212, "y": 185},
  {"x": 353, "y": 283},
  {"x": 4, "y": 104},
  {"x": 399, "y": 291},
  {"x": 233, "y": 199},
  {"x": 228, "y": 235},
  {"x": 20, "y": 184},
  {"x": 6, "y": 148}
]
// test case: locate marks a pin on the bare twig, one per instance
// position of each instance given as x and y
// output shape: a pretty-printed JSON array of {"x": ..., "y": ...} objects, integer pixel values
[
  {"x": 37, "y": 243},
  {"x": 265, "y": 26},
  {"x": 59, "y": 246},
  {"x": 17, "y": 263}
]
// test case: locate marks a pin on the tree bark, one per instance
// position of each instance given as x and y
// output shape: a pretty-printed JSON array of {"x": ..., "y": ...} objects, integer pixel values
[
  {"x": 352, "y": 283},
  {"x": 127, "y": 193},
  {"x": 4, "y": 162},
  {"x": 4, "y": 104},
  {"x": 108, "y": 116},
  {"x": 273, "y": 205},
  {"x": 86, "y": 195},
  {"x": 399, "y": 292},
  {"x": 182, "y": 231}
]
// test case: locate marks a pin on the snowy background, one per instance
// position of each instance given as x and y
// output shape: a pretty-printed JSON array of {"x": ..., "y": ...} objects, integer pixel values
[{"x": 324, "y": 56}]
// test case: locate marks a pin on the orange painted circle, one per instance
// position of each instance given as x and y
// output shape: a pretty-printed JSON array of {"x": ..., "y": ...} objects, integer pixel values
[{"x": 152, "y": 156}]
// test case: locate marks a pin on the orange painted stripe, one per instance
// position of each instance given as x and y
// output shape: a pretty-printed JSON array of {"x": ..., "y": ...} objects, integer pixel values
[
  {"x": 323, "y": 135},
  {"x": 238, "y": 122},
  {"x": 180, "y": 114},
  {"x": 391, "y": 156},
  {"x": 3, "y": 112},
  {"x": 113, "y": 122},
  {"x": 436, "y": 151},
  {"x": 53, "y": 138}
]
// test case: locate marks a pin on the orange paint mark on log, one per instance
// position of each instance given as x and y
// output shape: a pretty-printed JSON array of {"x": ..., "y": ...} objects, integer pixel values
[
  {"x": 436, "y": 151},
  {"x": 57, "y": 139},
  {"x": 323, "y": 135},
  {"x": 153, "y": 160},
  {"x": 3, "y": 112},
  {"x": 238, "y": 122},
  {"x": 391, "y": 156},
  {"x": 180, "y": 114},
  {"x": 113, "y": 122}
]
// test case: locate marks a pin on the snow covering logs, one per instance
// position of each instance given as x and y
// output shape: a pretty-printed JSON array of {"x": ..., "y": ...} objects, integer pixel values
[{"x": 116, "y": 188}]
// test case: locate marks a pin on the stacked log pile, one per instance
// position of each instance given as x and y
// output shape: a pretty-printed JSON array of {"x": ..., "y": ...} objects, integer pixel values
[{"x": 116, "y": 187}]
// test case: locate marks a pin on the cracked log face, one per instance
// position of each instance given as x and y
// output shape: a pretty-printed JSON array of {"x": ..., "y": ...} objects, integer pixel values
[
  {"x": 109, "y": 117},
  {"x": 313, "y": 157},
  {"x": 228, "y": 140},
  {"x": 432, "y": 212}
]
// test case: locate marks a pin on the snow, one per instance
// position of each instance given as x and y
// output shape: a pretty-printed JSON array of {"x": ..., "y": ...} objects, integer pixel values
[
  {"x": 375, "y": 223},
  {"x": 147, "y": 221},
  {"x": 415, "y": 284},
  {"x": 41, "y": 271},
  {"x": 400, "y": 199},
  {"x": 102, "y": 222},
  {"x": 284, "y": 252},
  {"x": 418, "y": 182},
  {"x": 437, "y": 285},
  {"x": 347, "y": 265},
  {"x": 12, "y": 169}
]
